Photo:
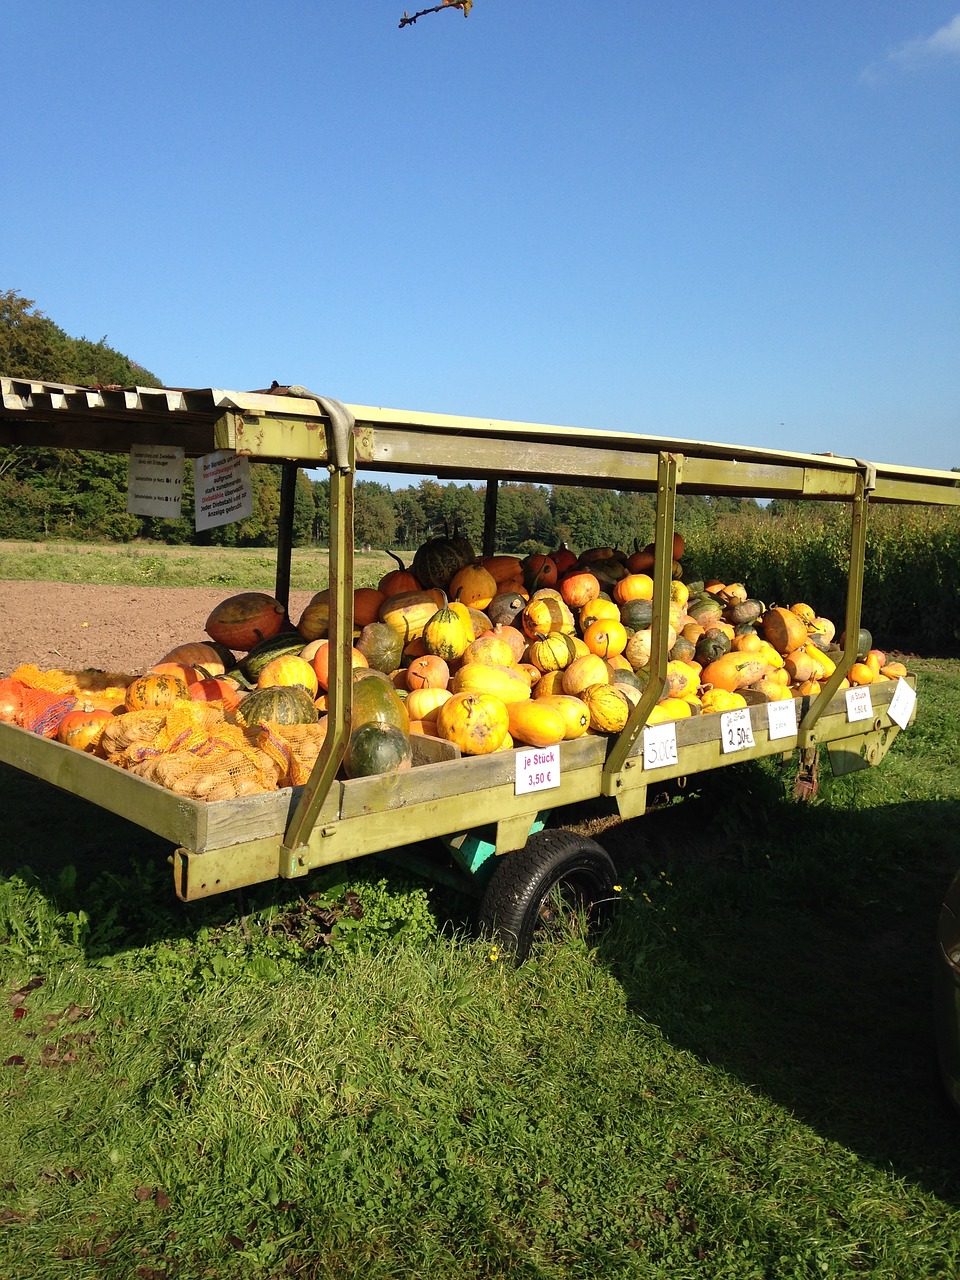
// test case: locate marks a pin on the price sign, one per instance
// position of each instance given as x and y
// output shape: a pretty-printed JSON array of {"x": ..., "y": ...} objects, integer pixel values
[
  {"x": 537, "y": 770},
  {"x": 736, "y": 731},
  {"x": 859, "y": 704},
  {"x": 660, "y": 745},
  {"x": 155, "y": 480},
  {"x": 902, "y": 704},
  {"x": 782, "y": 718}
]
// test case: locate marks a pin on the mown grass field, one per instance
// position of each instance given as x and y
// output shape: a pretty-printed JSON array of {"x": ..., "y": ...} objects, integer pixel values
[{"x": 334, "y": 1078}]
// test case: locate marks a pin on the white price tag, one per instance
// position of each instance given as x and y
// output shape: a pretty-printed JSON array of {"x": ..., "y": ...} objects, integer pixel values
[
  {"x": 859, "y": 703},
  {"x": 660, "y": 745},
  {"x": 537, "y": 770},
  {"x": 782, "y": 718},
  {"x": 736, "y": 731},
  {"x": 902, "y": 704}
]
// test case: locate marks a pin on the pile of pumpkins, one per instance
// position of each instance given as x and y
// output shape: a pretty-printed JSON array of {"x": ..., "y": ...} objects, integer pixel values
[{"x": 492, "y": 652}]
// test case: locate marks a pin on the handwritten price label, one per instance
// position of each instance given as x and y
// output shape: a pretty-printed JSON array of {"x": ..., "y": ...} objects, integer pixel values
[
  {"x": 537, "y": 770},
  {"x": 902, "y": 704},
  {"x": 736, "y": 731},
  {"x": 660, "y": 745},
  {"x": 859, "y": 704},
  {"x": 782, "y": 718}
]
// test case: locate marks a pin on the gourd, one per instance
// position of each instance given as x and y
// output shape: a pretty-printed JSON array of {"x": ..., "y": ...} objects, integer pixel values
[
  {"x": 242, "y": 621},
  {"x": 375, "y": 748},
  {"x": 281, "y": 704},
  {"x": 155, "y": 693},
  {"x": 478, "y": 723}
]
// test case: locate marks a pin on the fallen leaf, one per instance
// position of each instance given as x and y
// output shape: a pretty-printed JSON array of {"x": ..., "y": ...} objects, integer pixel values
[{"x": 143, "y": 1193}]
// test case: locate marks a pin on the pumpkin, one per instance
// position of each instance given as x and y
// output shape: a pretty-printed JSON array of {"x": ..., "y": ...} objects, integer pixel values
[
  {"x": 473, "y": 585},
  {"x": 376, "y": 748},
  {"x": 864, "y": 643},
  {"x": 366, "y": 605},
  {"x": 720, "y": 700},
  {"x": 155, "y": 693},
  {"x": 563, "y": 558},
  {"x": 503, "y": 568},
  {"x": 278, "y": 646},
  {"x": 491, "y": 647},
  {"x": 745, "y": 611},
  {"x": 713, "y": 644},
  {"x": 446, "y": 634},
  {"x": 539, "y": 571},
  {"x": 545, "y": 614},
  {"x": 549, "y": 684},
  {"x": 783, "y": 629},
  {"x": 242, "y": 621},
  {"x": 894, "y": 670},
  {"x": 83, "y": 728},
  {"x": 409, "y": 613},
  {"x": 606, "y": 636},
  {"x": 397, "y": 581},
  {"x": 573, "y": 711},
  {"x": 602, "y": 607},
  {"x": 215, "y": 659},
  {"x": 552, "y": 652},
  {"x": 578, "y": 587},
  {"x": 506, "y": 607},
  {"x": 507, "y": 684},
  {"x": 607, "y": 706},
  {"x": 381, "y": 645},
  {"x": 671, "y": 709},
  {"x": 642, "y": 559},
  {"x": 535, "y": 723},
  {"x": 583, "y": 672},
  {"x": 427, "y": 672},
  {"x": 289, "y": 670},
  {"x": 636, "y": 614},
  {"x": 640, "y": 646},
  {"x": 440, "y": 558},
  {"x": 705, "y": 610},
  {"x": 315, "y": 620},
  {"x": 634, "y": 586},
  {"x": 280, "y": 704},
  {"x": 683, "y": 679},
  {"x": 216, "y": 689},
  {"x": 375, "y": 698},
  {"x": 733, "y": 671},
  {"x": 319, "y": 659},
  {"x": 478, "y": 723},
  {"x": 423, "y": 704}
]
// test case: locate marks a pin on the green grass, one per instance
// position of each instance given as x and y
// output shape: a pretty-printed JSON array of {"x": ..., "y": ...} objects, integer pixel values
[
  {"x": 736, "y": 1079},
  {"x": 156, "y": 565}
]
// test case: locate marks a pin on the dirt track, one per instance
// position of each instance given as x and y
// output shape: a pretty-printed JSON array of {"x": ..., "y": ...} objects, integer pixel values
[{"x": 124, "y": 629}]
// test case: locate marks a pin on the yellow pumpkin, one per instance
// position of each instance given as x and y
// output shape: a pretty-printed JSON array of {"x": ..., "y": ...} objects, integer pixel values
[
  {"x": 607, "y": 706},
  {"x": 506, "y": 683},
  {"x": 289, "y": 670},
  {"x": 552, "y": 652},
  {"x": 473, "y": 585},
  {"x": 573, "y": 711},
  {"x": 446, "y": 635},
  {"x": 583, "y": 672},
  {"x": 424, "y": 704},
  {"x": 477, "y": 723},
  {"x": 410, "y": 612},
  {"x": 535, "y": 723}
]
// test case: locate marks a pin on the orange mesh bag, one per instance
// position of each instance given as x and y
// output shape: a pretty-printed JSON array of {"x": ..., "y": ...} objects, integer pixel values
[
  {"x": 54, "y": 681},
  {"x": 41, "y": 711},
  {"x": 11, "y": 699},
  {"x": 293, "y": 747}
]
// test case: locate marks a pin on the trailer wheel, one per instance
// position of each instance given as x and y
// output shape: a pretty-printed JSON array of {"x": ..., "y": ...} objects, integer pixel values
[{"x": 558, "y": 879}]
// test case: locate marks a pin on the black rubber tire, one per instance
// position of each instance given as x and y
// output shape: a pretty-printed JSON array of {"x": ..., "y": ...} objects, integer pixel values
[{"x": 520, "y": 900}]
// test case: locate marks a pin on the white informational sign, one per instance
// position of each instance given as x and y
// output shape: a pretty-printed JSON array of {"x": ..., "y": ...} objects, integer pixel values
[
  {"x": 782, "y": 718},
  {"x": 537, "y": 770},
  {"x": 222, "y": 489},
  {"x": 660, "y": 745},
  {"x": 736, "y": 731},
  {"x": 902, "y": 704},
  {"x": 859, "y": 703},
  {"x": 155, "y": 480}
]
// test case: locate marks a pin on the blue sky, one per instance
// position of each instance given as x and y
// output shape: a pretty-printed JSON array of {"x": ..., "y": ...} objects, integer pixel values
[{"x": 733, "y": 221}]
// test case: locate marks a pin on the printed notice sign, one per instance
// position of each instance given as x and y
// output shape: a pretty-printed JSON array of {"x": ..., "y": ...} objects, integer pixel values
[
  {"x": 902, "y": 704},
  {"x": 155, "y": 480},
  {"x": 782, "y": 718},
  {"x": 859, "y": 703},
  {"x": 660, "y": 745},
  {"x": 221, "y": 483},
  {"x": 537, "y": 770}
]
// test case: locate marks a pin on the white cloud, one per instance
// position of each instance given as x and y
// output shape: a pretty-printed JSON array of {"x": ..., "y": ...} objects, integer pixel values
[{"x": 916, "y": 54}]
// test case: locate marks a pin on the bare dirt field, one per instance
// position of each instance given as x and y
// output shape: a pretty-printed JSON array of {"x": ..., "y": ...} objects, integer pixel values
[{"x": 122, "y": 629}]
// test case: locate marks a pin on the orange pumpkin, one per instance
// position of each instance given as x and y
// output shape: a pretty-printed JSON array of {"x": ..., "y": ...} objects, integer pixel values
[
  {"x": 189, "y": 675},
  {"x": 397, "y": 581},
  {"x": 320, "y": 661},
  {"x": 606, "y": 636},
  {"x": 427, "y": 672},
  {"x": 424, "y": 704},
  {"x": 366, "y": 605},
  {"x": 785, "y": 631},
  {"x": 83, "y": 728},
  {"x": 539, "y": 571},
  {"x": 635, "y": 586},
  {"x": 578, "y": 587},
  {"x": 583, "y": 672},
  {"x": 315, "y": 619},
  {"x": 733, "y": 671},
  {"x": 216, "y": 689},
  {"x": 215, "y": 659},
  {"x": 242, "y": 621}
]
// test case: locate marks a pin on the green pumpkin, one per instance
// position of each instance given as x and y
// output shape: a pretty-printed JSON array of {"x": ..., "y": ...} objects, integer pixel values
[
  {"x": 376, "y": 748},
  {"x": 376, "y": 699},
  {"x": 712, "y": 645},
  {"x": 381, "y": 645},
  {"x": 281, "y": 704},
  {"x": 637, "y": 615}
]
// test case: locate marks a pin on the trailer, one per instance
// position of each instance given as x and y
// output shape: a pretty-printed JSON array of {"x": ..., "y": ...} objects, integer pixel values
[{"x": 500, "y": 817}]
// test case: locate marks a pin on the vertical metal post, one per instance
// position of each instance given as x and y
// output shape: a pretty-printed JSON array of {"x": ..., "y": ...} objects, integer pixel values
[
  {"x": 288, "y": 494},
  {"x": 490, "y": 517},
  {"x": 668, "y": 476},
  {"x": 339, "y": 692},
  {"x": 806, "y": 735}
]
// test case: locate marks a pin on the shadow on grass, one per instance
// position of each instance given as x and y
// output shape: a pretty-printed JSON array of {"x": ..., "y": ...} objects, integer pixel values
[
  {"x": 796, "y": 954},
  {"x": 82, "y": 858}
]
